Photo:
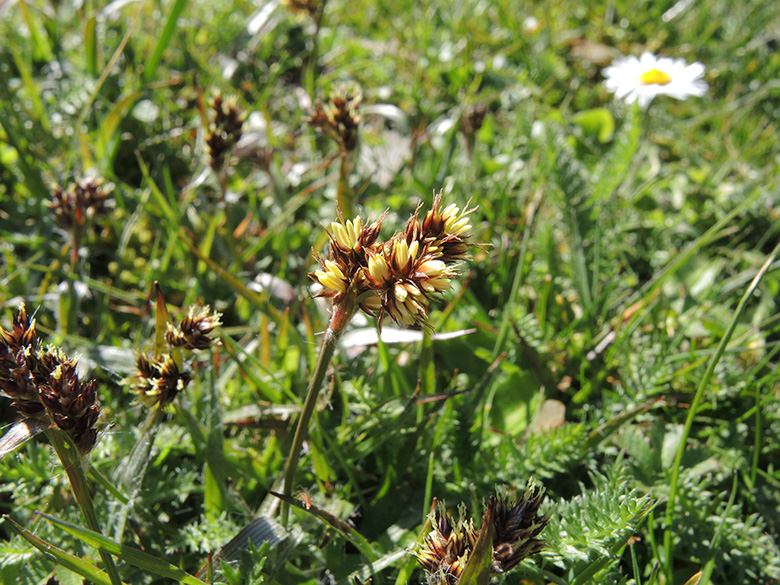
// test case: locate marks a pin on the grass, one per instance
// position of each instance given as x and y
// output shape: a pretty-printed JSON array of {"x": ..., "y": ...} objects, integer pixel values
[{"x": 627, "y": 273}]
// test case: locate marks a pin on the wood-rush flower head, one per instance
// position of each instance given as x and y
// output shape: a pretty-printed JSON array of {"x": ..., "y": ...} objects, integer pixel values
[
  {"x": 224, "y": 131},
  {"x": 339, "y": 116},
  {"x": 44, "y": 385},
  {"x": 516, "y": 528},
  {"x": 399, "y": 276},
  {"x": 195, "y": 329},
  {"x": 71, "y": 405},
  {"x": 158, "y": 379},
  {"x": 445, "y": 552},
  {"x": 83, "y": 201}
]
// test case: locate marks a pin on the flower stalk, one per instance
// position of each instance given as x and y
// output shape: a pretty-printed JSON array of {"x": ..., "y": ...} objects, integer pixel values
[
  {"x": 396, "y": 278},
  {"x": 342, "y": 315}
]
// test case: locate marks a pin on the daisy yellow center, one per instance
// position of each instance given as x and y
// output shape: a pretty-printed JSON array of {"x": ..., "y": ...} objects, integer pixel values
[{"x": 654, "y": 77}]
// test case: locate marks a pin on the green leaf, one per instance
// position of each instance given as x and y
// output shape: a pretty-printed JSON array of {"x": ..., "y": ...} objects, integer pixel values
[
  {"x": 128, "y": 554},
  {"x": 164, "y": 40},
  {"x": 597, "y": 122},
  {"x": 67, "y": 560},
  {"x": 348, "y": 531},
  {"x": 478, "y": 568}
]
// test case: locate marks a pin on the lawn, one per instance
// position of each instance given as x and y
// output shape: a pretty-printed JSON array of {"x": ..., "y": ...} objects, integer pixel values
[{"x": 305, "y": 292}]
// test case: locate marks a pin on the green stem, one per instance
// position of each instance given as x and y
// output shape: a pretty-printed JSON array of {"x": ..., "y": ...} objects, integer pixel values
[
  {"x": 345, "y": 197},
  {"x": 71, "y": 462},
  {"x": 342, "y": 314},
  {"x": 697, "y": 398}
]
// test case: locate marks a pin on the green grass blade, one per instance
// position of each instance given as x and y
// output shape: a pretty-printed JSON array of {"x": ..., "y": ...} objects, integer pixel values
[
  {"x": 150, "y": 70},
  {"x": 677, "y": 466},
  {"x": 67, "y": 560},
  {"x": 128, "y": 554}
]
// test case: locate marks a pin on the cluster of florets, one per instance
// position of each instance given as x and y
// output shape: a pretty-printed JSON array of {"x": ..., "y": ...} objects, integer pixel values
[
  {"x": 516, "y": 529},
  {"x": 397, "y": 277},
  {"x": 44, "y": 385},
  {"x": 83, "y": 201},
  {"x": 225, "y": 130},
  {"x": 339, "y": 116},
  {"x": 158, "y": 379}
]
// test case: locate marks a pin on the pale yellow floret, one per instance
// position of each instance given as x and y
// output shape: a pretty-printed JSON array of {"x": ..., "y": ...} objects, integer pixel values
[
  {"x": 412, "y": 289},
  {"x": 349, "y": 235},
  {"x": 413, "y": 248},
  {"x": 353, "y": 228},
  {"x": 438, "y": 284},
  {"x": 455, "y": 222},
  {"x": 340, "y": 234},
  {"x": 400, "y": 292},
  {"x": 378, "y": 268},
  {"x": 332, "y": 277},
  {"x": 401, "y": 250},
  {"x": 460, "y": 227},
  {"x": 433, "y": 268}
]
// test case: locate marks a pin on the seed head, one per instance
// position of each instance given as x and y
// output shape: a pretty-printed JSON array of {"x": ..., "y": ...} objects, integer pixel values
[
  {"x": 83, "y": 201},
  {"x": 225, "y": 129},
  {"x": 516, "y": 528},
  {"x": 71, "y": 405},
  {"x": 195, "y": 329},
  {"x": 44, "y": 385},
  {"x": 158, "y": 380},
  {"x": 339, "y": 116},
  {"x": 445, "y": 552}
]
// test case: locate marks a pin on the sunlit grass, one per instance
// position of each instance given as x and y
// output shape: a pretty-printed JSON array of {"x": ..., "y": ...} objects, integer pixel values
[{"x": 600, "y": 338}]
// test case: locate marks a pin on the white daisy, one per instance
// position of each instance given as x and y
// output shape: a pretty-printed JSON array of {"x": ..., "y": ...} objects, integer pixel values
[{"x": 640, "y": 80}]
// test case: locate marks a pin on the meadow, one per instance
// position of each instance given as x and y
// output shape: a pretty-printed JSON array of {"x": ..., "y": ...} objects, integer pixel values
[{"x": 320, "y": 292}]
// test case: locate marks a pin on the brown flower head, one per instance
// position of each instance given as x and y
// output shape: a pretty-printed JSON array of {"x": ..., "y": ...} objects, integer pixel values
[
  {"x": 517, "y": 525},
  {"x": 311, "y": 7},
  {"x": 158, "y": 380},
  {"x": 71, "y": 405},
  {"x": 445, "y": 552},
  {"x": 397, "y": 277},
  {"x": 339, "y": 116},
  {"x": 225, "y": 129},
  {"x": 44, "y": 385},
  {"x": 516, "y": 528},
  {"x": 194, "y": 332},
  {"x": 83, "y": 201}
]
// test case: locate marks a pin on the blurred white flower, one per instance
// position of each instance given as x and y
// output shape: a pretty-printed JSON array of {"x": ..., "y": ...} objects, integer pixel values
[{"x": 634, "y": 79}]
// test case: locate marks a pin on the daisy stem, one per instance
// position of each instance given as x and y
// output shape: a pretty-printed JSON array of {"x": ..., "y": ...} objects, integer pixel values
[{"x": 342, "y": 314}]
